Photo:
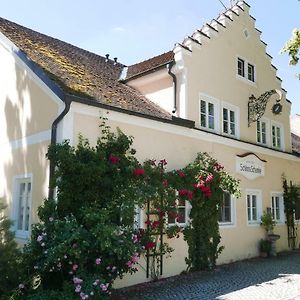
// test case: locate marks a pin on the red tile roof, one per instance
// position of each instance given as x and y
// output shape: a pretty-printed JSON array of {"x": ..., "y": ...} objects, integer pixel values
[
  {"x": 149, "y": 64},
  {"x": 79, "y": 72}
]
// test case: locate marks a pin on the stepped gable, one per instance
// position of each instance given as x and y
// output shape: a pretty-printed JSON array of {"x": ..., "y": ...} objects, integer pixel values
[
  {"x": 79, "y": 72},
  {"x": 149, "y": 64}
]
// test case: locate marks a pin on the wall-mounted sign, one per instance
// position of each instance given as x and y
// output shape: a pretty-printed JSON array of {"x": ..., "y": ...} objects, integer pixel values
[{"x": 250, "y": 165}]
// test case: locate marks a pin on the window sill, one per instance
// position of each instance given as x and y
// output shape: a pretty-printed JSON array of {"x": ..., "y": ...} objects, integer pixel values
[
  {"x": 22, "y": 235},
  {"x": 253, "y": 223},
  {"x": 226, "y": 225},
  {"x": 245, "y": 80}
]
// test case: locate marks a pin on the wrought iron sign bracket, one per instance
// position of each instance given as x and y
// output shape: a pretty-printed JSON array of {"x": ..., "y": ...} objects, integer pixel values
[{"x": 257, "y": 106}]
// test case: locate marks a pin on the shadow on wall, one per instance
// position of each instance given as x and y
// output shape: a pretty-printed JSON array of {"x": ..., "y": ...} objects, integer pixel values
[{"x": 22, "y": 106}]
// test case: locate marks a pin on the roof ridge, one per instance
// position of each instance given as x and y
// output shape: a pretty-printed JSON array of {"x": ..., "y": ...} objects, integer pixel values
[
  {"x": 78, "y": 71},
  {"x": 27, "y": 29},
  {"x": 153, "y": 57}
]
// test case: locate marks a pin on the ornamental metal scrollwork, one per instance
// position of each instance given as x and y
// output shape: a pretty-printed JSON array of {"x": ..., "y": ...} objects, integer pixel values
[{"x": 257, "y": 106}]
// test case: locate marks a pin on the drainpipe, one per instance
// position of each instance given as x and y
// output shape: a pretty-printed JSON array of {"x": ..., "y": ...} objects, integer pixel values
[
  {"x": 53, "y": 142},
  {"x": 169, "y": 66}
]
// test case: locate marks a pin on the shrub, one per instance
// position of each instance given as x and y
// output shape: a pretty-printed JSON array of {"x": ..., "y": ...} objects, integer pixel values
[{"x": 10, "y": 256}]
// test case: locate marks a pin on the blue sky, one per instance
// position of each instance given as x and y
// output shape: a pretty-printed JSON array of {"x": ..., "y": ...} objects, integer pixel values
[{"x": 135, "y": 30}]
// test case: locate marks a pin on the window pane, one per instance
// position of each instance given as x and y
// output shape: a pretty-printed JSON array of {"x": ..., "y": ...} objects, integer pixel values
[
  {"x": 211, "y": 122},
  {"x": 254, "y": 207},
  {"x": 249, "y": 207},
  {"x": 232, "y": 116},
  {"x": 225, "y": 114},
  {"x": 203, "y": 106},
  {"x": 258, "y": 131},
  {"x": 210, "y": 109},
  {"x": 211, "y": 119},
  {"x": 232, "y": 128},
  {"x": 20, "y": 215},
  {"x": 241, "y": 64},
  {"x": 203, "y": 120}
]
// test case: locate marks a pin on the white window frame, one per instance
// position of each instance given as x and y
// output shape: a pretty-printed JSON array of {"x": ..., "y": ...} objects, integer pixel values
[
  {"x": 138, "y": 222},
  {"x": 187, "y": 211},
  {"x": 258, "y": 194},
  {"x": 243, "y": 69},
  {"x": 254, "y": 72},
  {"x": 267, "y": 122},
  {"x": 236, "y": 110},
  {"x": 17, "y": 180},
  {"x": 232, "y": 222},
  {"x": 280, "y": 126},
  {"x": 245, "y": 77},
  {"x": 281, "y": 219},
  {"x": 216, "y": 103}
]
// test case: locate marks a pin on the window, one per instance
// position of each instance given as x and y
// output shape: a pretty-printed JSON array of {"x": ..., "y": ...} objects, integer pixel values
[
  {"x": 178, "y": 216},
  {"x": 250, "y": 72},
  {"x": 207, "y": 114},
  {"x": 22, "y": 206},
  {"x": 241, "y": 67},
  {"x": 229, "y": 121},
  {"x": 245, "y": 70},
  {"x": 276, "y": 136},
  {"x": 277, "y": 207},
  {"x": 226, "y": 209},
  {"x": 253, "y": 206},
  {"x": 261, "y": 132},
  {"x": 297, "y": 209}
]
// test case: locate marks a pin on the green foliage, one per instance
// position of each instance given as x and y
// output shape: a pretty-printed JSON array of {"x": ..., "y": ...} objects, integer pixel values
[
  {"x": 203, "y": 184},
  {"x": 267, "y": 221},
  {"x": 291, "y": 199},
  {"x": 265, "y": 246},
  {"x": 10, "y": 256},
  {"x": 292, "y": 47}
]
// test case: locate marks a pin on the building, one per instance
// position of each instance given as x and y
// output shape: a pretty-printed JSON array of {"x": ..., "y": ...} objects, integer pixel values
[
  {"x": 217, "y": 91},
  {"x": 295, "y": 131}
]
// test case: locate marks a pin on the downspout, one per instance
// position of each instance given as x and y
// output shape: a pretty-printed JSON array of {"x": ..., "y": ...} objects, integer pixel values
[
  {"x": 53, "y": 142},
  {"x": 169, "y": 66}
]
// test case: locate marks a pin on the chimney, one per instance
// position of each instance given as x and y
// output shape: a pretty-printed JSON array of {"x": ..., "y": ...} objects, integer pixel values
[
  {"x": 107, "y": 56},
  {"x": 115, "y": 59}
]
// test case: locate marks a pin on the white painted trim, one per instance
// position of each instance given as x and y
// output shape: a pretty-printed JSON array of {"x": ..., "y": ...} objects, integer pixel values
[
  {"x": 233, "y": 222},
  {"x": 268, "y": 134},
  {"x": 281, "y": 206},
  {"x": 282, "y": 137},
  {"x": 259, "y": 198},
  {"x": 236, "y": 110},
  {"x": 21, "y": 234},
  {"x": 245, "y": 78},
  {"x": 178, "y": 130},
  {"x": 216, "y": 103},
  {"x": 12, "y": 48},
  {"x": 29, "y": 140}
]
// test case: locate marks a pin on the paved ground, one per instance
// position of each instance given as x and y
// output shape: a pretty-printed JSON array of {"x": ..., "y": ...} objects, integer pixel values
[{"x": 275, "y": 278}]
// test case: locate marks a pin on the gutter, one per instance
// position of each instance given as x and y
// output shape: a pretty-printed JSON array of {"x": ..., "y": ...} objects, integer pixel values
[
  {"x": 169, "y": 66},
  {"x": 54, "y": 125}
]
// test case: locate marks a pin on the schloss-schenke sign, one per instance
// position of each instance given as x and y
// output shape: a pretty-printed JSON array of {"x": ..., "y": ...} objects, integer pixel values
[{"x": 250, "y": 165}]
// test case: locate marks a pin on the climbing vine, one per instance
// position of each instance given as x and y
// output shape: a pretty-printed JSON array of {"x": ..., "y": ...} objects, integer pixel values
[
  {"x": 203, "y": 185},
  {"x": 291, "y": 198},
  {"x": 89, "y": 236}
]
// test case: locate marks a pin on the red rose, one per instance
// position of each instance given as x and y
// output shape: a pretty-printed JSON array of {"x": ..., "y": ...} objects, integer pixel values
[
  {"x": 149, "y": 245},
  {"x": 114, "y": 159},
  {"x": 138, "y": 172}
]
